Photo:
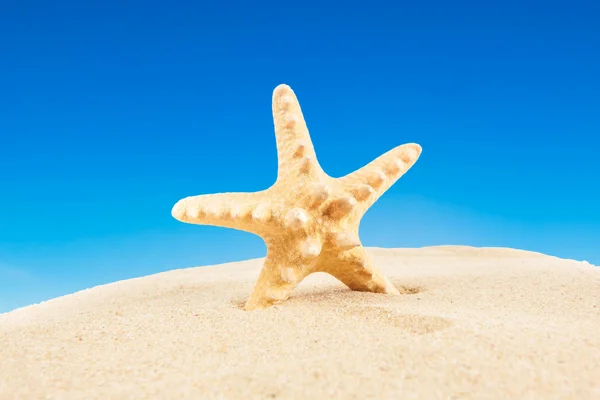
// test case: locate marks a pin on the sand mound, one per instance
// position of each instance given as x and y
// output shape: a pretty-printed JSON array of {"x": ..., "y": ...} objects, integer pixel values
[{"x": 471, "y": 323}]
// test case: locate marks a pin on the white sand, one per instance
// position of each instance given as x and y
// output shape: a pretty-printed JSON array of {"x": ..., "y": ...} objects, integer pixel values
[{"x": 472, "y": 323}]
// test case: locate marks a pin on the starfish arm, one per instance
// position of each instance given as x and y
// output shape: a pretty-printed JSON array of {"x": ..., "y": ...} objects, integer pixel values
[
  {"x": 368, "y": 183},
  {"x": 282, "y": 271},
  {"x": 250, "y": 212},
  {"x": 356, "y": 269},
  {"x": 295, "y": 151}
]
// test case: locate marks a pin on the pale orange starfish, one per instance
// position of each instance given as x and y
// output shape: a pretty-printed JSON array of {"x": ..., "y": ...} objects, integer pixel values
[{"x": 308, "y": 220}]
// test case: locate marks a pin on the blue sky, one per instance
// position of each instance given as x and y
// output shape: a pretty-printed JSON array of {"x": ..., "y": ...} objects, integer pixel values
[{"x": 112, "y": 111}]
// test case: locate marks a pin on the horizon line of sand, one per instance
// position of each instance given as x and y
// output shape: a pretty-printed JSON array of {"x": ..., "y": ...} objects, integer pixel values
[{"x": 370, "y": 248}]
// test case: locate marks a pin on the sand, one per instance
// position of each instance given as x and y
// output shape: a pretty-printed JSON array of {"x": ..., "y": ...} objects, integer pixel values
[{"x": 472, "y": 323}]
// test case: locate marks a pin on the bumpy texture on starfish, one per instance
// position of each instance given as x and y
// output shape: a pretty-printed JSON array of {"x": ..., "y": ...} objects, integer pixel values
[{"x": 308, "y": 220}]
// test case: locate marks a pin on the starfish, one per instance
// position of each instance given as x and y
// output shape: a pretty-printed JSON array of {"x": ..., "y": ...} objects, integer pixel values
[{"x": 308, "y": 220}]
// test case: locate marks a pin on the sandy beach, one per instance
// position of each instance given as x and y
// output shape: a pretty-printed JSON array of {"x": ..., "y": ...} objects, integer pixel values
[{"x": 471, "y": 323}]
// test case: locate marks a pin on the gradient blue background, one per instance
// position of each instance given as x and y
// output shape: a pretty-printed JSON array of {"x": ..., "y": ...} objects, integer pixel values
[{"x": 111, "y": 111}]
